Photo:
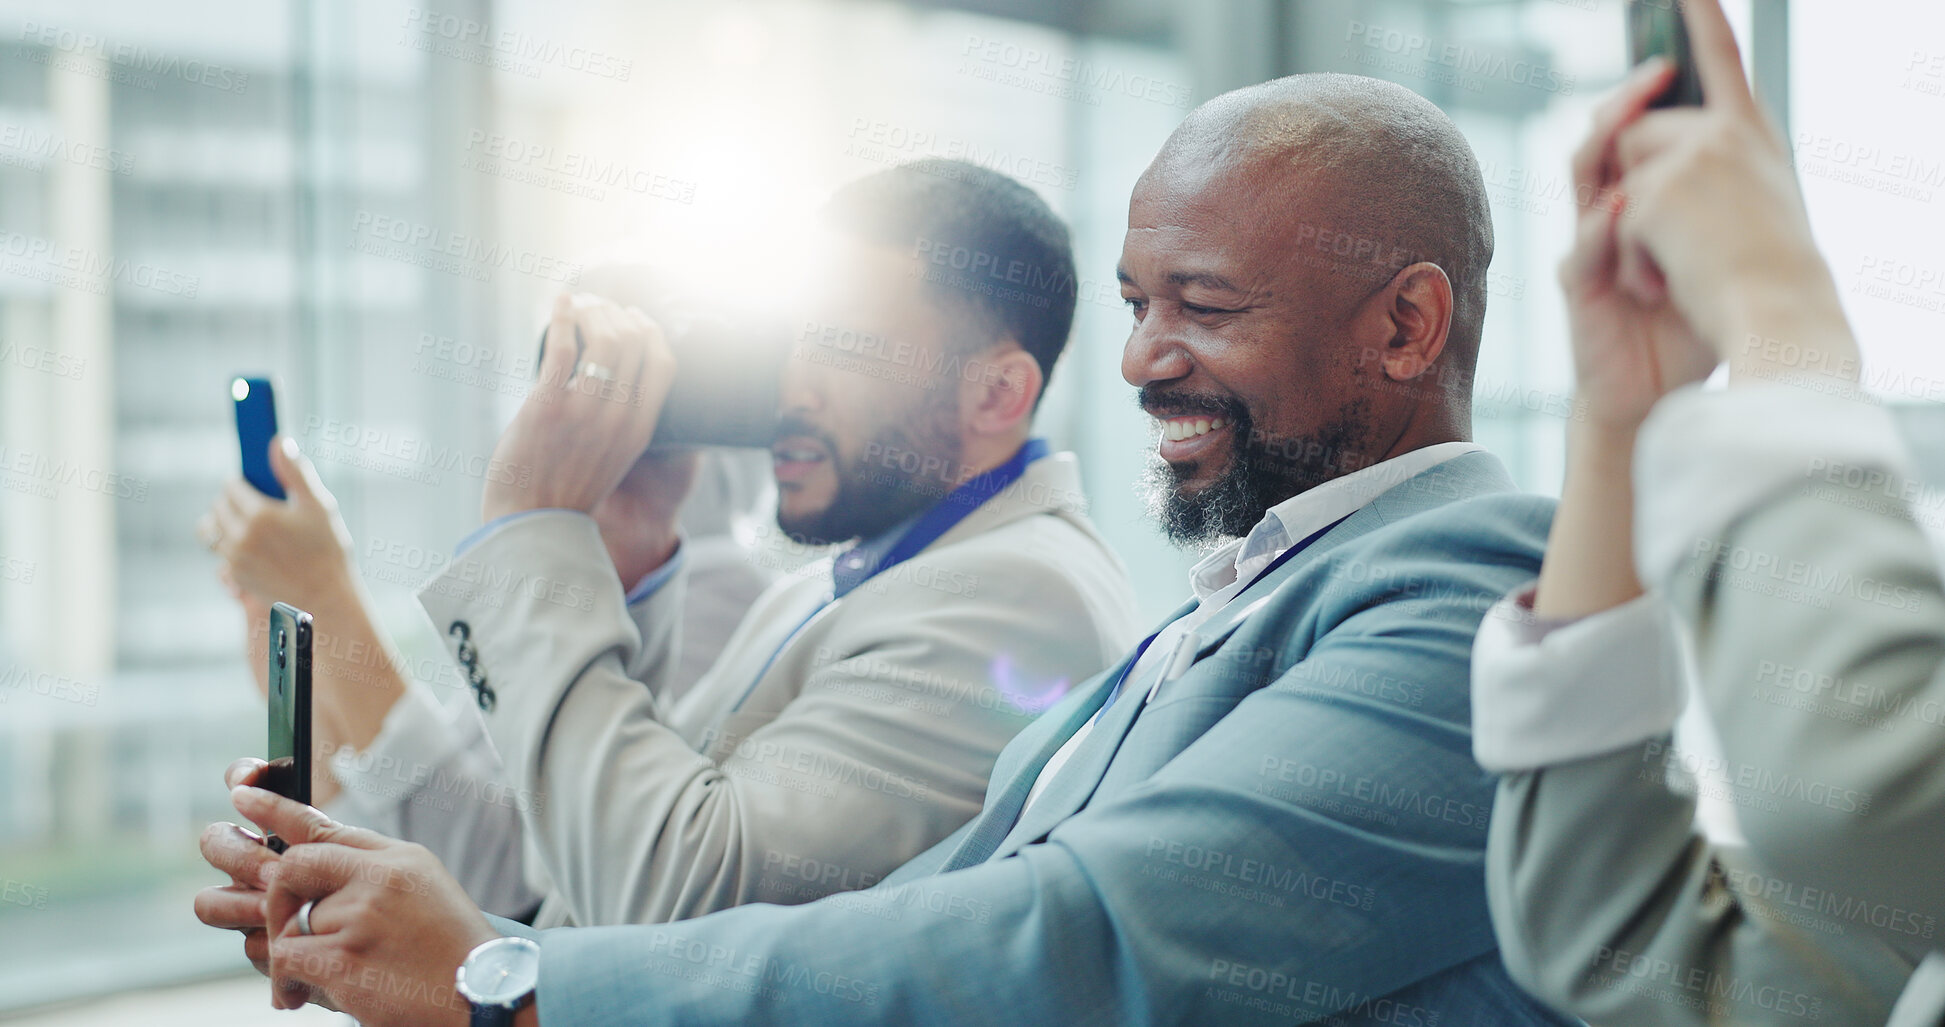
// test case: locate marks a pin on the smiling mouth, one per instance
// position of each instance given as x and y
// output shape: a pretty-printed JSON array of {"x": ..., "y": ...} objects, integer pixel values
[
  {"x": 793, "y": 459},
  {"x": 1177, "y": 429},
  {"x": 1187, "y": 437}
]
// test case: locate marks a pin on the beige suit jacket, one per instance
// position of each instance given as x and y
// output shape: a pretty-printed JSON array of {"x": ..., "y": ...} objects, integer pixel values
[
  {"x": 831, "y": 742},
  {"x": 1780, "y": 527}
]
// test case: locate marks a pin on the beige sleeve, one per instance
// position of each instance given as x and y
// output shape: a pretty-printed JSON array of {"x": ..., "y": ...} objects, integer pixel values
[
  {"x": 885, "y": 750},
  {"x": 1609, "y": 906}
]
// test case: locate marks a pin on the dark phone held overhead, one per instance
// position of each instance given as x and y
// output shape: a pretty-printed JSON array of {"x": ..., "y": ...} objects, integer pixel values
[
  {"x": 1656, "y": 28},
  {"x": 728, "y": 385}
]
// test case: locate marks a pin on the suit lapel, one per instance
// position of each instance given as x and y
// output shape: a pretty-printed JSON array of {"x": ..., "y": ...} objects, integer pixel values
[
  {"x": 1074, "y": 783},
  {"x": 1035, "y": 748},
  {"x": 1002, "y": 830},
  {"x": 1074, "y": 786}
]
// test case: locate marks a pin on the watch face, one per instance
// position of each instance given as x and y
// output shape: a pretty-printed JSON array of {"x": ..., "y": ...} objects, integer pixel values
[{"x": 500, "y": 972}]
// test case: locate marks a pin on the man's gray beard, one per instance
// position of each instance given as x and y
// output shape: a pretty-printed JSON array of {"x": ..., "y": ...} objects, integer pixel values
[
  {"x": 1225, "y": 510},
  {"x": 1255, "y": 479}
]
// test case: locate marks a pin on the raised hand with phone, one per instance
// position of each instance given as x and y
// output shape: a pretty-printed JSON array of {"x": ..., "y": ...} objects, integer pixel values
[
  {"x": 288, "y": 544},
  {"x": 1715, "y": 224},
  {"x": 1692, "y": 248},
  {"x": 1698, "y": 251},
  {"x": 280, "y": 538},
  {"x": 298, "y": 550}
]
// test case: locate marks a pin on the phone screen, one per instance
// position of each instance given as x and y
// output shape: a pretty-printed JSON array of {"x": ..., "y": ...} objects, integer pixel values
[
  {"x": 289, "y": 751},
  {"x": 256, "y": 425},
  {"x": 1655, "y": 27}
]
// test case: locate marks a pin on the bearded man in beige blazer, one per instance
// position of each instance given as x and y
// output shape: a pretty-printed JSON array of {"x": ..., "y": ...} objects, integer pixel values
[{"x": 852, "y": 719}]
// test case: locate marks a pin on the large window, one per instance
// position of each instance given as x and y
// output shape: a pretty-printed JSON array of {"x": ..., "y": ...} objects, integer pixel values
[
  {"x": 1867, "y": 101},
  {"x": 373, "y": 203}
]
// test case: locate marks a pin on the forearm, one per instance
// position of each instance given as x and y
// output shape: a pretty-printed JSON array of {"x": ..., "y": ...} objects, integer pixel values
[
  {"x": 432, "y": 777},
  {"x": 537, "y": 647},
  {"x": 356, "y": 669},
  {"x": 1589, "y": 565},
  {"x": 1162, "y": 940},
  {"x": 1790, "y": 327}
]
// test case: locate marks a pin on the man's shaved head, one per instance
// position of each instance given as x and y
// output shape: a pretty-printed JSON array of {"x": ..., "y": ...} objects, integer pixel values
[
  {"x": 1382, "y": 165},
  {"x": 1306, "y": 264}
]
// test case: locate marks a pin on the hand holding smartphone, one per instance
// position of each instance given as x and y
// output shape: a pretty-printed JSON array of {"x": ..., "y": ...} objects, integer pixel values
[{"x": 289, "y": 754}]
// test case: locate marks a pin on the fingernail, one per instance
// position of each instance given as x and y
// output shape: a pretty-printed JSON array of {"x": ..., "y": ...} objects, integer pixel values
[{"x": 290, "y": 447}]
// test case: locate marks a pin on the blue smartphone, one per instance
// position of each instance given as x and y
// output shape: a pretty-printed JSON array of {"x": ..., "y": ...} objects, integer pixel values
[{"x": 256, "y": 425}]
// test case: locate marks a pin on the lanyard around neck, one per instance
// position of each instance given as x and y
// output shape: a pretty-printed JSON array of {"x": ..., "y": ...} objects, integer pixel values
[
  {"x": 941, "y": 518},
  {"x": 853, "y": 568}
]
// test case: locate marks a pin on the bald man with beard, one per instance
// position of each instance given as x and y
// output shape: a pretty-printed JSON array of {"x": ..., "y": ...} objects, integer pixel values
[{"x": 1268, "y": 812}]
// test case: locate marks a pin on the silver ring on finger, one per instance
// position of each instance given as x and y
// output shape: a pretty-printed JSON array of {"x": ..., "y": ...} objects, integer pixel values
[
  {"x": 304, "y": 917},
  {"x": 589, "y": 369}
]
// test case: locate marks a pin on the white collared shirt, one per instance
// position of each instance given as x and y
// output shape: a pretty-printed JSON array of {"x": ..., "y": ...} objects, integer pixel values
[{"x": 1228, "y": 571}]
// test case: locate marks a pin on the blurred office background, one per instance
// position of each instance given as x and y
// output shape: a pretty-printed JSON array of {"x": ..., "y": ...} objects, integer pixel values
[{"x": 373, "y": 201}]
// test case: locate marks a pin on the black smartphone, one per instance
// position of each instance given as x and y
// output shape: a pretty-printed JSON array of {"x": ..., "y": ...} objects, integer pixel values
[
  {"x": 1655, "y": 27},
  {"x": 256, "y": 425},
  {"x": 289, "y": 773},
  {"x": 728, "y": 386}
]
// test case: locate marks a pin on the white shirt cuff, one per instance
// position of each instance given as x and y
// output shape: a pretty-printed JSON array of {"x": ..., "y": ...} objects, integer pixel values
[
  {"x": 653, "y": 581},
  {"x": 1588, "y": 687},
  {"x": 1705, "y": 459}
]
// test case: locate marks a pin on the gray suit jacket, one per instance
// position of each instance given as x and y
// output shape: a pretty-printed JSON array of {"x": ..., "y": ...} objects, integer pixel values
[
  {"x": 831, "y": 741},
  {"x": 1610, "y": 905},
  {"x": 1292, "y": 830},
  {"x": 1775, "y": 525}
]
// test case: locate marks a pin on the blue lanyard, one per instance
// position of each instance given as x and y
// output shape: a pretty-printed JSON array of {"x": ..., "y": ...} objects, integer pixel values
[
  {"x": 941, "y": 518},
  {"x": 935, "y": 522},
  {"x": 1280, "y": 560}
]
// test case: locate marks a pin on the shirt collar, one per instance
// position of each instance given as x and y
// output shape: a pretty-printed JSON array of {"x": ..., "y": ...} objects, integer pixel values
[{"x": 1306, "y": 512}]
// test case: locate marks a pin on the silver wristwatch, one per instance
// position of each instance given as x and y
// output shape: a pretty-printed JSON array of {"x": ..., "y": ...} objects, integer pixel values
[{"x": 498, "y": 980}]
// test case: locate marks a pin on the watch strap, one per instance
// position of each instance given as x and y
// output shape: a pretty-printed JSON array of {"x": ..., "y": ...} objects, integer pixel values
[{"x": 491, "y": 1016}]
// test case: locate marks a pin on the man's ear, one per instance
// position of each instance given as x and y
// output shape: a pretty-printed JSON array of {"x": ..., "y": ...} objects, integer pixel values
[
  {"x": 1413, "y": 315},
  {"x": 998, "y": 389}
]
